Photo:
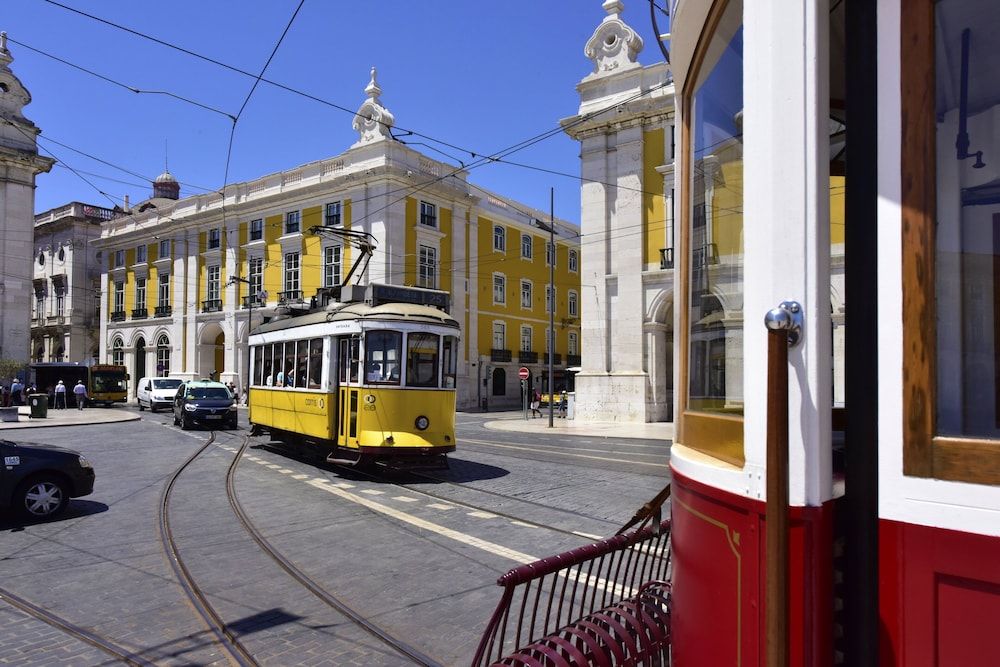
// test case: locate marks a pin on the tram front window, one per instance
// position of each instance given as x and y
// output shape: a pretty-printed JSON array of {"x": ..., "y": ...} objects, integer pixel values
[
  {"x": 422, "y": 360},
  {"x": 383, "y": 352}
]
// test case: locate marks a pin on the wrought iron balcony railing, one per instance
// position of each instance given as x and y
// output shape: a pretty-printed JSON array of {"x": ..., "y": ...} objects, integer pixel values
[
  {"x": 118, "y": 316},
  {"x": 500, "y": 355},
  {"x": 211, "y": 306},
  {"x": 573, "y": 360},
  {"x": 290, "y": 296},
  {"x": 163, "y": 311},
  {"x": 140, "y": 313},
  {"x": 556, "y": 358},
  {"x": 255, "y": 301},
  {"x": 666, "y": 258},
  {"x": 527, "y": 357}
]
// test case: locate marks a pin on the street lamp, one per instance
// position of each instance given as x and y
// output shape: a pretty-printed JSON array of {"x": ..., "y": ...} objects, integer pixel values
[
  {"x": 551, "y": 229},
  {"x": 251, "y": 297}
]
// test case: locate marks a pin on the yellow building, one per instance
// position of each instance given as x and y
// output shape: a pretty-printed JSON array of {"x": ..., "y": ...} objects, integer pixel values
[{"x": 182, "y": 275}]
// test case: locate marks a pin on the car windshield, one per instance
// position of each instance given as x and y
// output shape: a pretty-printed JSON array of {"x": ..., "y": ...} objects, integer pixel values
[
  {"x": 208, "y": 392},
  {"x": 166, "y": 383}
]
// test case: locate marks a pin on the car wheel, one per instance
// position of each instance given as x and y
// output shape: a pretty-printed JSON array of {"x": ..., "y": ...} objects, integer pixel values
[
  {"x": 185, "y": 424},
  {"x": 140, "y": 405},
  {"x": 41, "y": 497},
  {"x": 175, "y": 419},
  {"x": 152, "y": 407}
]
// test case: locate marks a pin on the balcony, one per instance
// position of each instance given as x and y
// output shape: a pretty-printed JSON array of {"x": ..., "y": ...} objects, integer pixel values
[
  {"x": 527, "y": 357},
  {"x": 705, "y": 255},
  {"x": 255, "y": 301},
  {"x": 211, "y": 306},
  {"x": 118, "y": 316},
  {"x": 556, "y": 359},
  {"x": 666, "y": 258},
  {"x": 163, "y": 311},
  {"x": 140, "y": 313},
  {"x": 573, "y": 360},
  {"x": 290, "y": 296},
  {"x": 500, "y": 355}
]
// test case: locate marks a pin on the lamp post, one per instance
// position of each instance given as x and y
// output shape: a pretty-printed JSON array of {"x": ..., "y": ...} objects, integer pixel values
[
  {"x": 551, "y": 229},
  {"x": 251, "y": 297}
]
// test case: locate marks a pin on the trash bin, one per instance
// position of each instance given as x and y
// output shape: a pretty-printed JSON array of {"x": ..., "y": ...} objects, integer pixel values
[{"x": 39, "y": 405}]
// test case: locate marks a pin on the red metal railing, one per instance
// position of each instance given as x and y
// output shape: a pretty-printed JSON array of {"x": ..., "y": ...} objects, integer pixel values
[{"x": 606, "y": 603}]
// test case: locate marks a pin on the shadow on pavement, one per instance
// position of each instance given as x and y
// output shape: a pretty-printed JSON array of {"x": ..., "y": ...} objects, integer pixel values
[{"x": 9, "y": 520}]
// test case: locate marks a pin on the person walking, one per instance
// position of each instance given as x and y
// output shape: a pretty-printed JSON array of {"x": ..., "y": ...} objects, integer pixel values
[
  {"x": 60, "y": 392},
  {"x": 16, "y": 392},
  {"x": 536, "y": 402},
  {"x": 80, "y": 394}
]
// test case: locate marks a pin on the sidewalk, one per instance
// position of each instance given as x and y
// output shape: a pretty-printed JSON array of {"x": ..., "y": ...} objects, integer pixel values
[
  {"x": 69, "y": 417},
  {"x": 515, "y": 421}
]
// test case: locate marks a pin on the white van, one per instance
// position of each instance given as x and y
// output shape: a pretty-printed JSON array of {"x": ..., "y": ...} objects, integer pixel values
[{"x": 157, "y": 392}]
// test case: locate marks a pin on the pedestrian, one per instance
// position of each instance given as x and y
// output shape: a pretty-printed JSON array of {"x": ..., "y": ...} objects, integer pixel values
[
  {"x": 5, "y": 396},
  {"x": 60, "y": 393},
  {"x": 16, "y": 392},
  {"x": 562, "y": 404},
  {"x": 536, "y": 402},
  {"x": 80, "y": 394}
]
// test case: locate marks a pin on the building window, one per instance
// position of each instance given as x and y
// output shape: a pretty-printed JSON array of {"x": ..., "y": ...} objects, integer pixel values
[
  {"x": 499, "y": 238},
  {"x": 118, "y": 352},
  {"x": 331, "y": 266},
  {"x": 548, "y": 299},
  {"x": 292, "y": 220},
  {"x": 525, "y": 294},
  {"x": 291, "y": 272},
  {"x": 212, "y": 292},
  {"x": 427, "y": 276},
  {"x": 140, "y": 254},
  {"x": 550, "y": 251},
  {"x": 256, "y": 229},
  {"x": 255, "y": 272},
  {"x": 499, "y": 289},
  {"x": 574, "y": 261},
  {"x": 574, "y": 345},
  {"x": 214, "y": 239},
  {"x": 165, "y": 248},
  {"x": 525, "y": 339},
  {"x": 40, "y": 306},
  {"x": 140, "y": 294},
  {"x": 573, "y": 304},
  {"x": 119, "y": 296},
  {"x": 163, "y": 356},
  {"x": 119, "y": 258},
  {"x": 60, "y": 304},
  {"x": 428, "y": 214},
  {"x": 499, "y": 336},
  {"x": 527, "y": 246},
  {"x": 331, "y": 214},
  {"x": 163, "y": 295},
  {"x": 41, "y": 258}
]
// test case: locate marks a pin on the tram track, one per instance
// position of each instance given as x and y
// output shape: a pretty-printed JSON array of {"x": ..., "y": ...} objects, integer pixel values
[
  {"x": 223, "y": 634},
  {"x": 96, "y": 640},
  {"x": 307, "y": 582}
]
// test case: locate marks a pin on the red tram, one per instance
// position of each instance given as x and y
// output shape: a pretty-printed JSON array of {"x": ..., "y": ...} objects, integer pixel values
[{"x": 891, "y": 414}]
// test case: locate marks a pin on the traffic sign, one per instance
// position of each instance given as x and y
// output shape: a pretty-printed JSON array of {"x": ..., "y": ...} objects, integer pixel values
[{"x": 523, "y": 373}]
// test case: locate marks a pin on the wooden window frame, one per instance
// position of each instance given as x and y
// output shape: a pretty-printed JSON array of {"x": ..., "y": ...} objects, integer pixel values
[
  {"x": 719, "y": 436},
  {"x": 926, "y": 454}
]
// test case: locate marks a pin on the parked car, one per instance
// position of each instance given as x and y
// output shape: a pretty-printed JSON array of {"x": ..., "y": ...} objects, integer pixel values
[
  {"x": 204, "y": 402},
  {"x": 37, "y": 481},
  {"x": 156, "y": 393}
]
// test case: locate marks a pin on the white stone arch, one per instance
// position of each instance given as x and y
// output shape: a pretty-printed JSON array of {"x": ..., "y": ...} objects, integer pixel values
[
  {"x": 210, "y": 360},
  {"x": 658, "y": 328}
]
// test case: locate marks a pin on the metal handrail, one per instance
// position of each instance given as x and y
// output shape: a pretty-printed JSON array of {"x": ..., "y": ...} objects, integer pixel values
[{"x": 565, "y": 600}]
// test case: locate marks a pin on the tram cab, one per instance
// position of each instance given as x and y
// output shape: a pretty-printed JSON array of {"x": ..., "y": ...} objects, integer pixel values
[{"x": 843, "y": 157}]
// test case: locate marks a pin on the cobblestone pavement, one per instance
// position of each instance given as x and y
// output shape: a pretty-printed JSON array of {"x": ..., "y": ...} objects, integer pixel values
[{"x": 422, "y": 567}]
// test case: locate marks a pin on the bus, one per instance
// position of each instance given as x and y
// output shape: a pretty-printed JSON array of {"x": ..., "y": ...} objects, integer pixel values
[{"x": 106, "y": 383}]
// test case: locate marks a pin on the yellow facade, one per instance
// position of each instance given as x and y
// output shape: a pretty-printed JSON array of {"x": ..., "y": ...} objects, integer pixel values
[{"x": 654, "y": 226}]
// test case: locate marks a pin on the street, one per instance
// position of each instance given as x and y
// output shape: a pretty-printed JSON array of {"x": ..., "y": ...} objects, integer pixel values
[{"x": 415, "y": 555}]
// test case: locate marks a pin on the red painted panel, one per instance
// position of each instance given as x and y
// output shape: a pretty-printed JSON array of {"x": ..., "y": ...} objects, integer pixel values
[
  {"x": 719, "y": 556},
  {"x": 940, "y": 596}
]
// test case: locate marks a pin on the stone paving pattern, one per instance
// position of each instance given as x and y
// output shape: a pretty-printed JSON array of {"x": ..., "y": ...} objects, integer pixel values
[{"x": 102, "y": 567}]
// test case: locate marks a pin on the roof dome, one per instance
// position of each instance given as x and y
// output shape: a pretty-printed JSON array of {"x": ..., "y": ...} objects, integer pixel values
[
  {"x": 166, "y": 186},
  {"x": 165, "y": 177}
]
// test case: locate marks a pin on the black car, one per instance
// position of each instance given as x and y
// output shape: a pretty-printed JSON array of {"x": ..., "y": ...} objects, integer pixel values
[
  {"x": 204, "y": 402},
  {"x": 37, "y": 481}
]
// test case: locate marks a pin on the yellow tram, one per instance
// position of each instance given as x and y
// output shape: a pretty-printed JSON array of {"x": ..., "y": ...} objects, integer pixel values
[{"x": 365, "y": 380}]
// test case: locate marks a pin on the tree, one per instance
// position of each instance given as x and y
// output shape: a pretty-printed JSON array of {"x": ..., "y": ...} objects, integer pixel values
[{"x": 10, "y": 368}]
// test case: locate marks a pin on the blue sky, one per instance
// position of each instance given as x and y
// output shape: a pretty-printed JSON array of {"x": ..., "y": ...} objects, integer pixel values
[{"x": 480, "y": 75}]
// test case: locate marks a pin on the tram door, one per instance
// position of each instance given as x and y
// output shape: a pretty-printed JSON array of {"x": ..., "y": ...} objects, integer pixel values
[{"x": 348, "y": 390}]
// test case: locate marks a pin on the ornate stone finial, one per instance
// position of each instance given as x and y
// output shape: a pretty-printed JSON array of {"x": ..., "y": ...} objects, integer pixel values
[
  {"x": 3, "y": 41},
  {"x": 372, "y": 120},
  {"x": 614, "y": 45},
  {"x": 5, "y": 57}
]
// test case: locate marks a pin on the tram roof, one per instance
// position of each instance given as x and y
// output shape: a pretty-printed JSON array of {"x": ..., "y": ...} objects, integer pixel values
[{"x": 339, "y": 312}]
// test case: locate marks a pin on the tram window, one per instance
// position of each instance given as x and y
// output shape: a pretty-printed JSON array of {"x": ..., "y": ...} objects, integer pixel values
[
  {"x": 350, "y": 351},
  {"x": 383, "y": 350},
  {"x": 286, "y": 365},
  {"x": 301, "y": 364},
  {"x": 315, "y": 363},
  {"x": 422, "y": 360},
  {"x": 258, "y": 358},
  {"x": 268, "y": 369},
  {"x": 450, "y": 361}
]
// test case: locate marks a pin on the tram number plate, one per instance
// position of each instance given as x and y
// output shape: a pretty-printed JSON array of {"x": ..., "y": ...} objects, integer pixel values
[{"x": 213, "y": 416}]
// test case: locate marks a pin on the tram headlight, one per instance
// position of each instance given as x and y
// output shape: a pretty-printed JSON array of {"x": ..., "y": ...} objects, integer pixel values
[{"x": 422, "y": 423}]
